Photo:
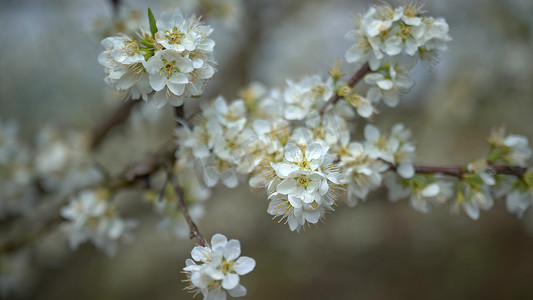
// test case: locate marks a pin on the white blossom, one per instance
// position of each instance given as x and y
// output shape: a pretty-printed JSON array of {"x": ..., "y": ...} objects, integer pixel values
[
  {"x": 305, "y": 96},
  {"x": 474, "y": 200},
  {"x": 124, "y": 67},
  {"x": 216, "y": 269},
  {"x": 63, "y": 164},
  {"x": 90, "y": 217},
  {"x": 517, "y": 202},
  {"x": 423, "y": 191},
  {"x": 384, "y": 32},
  {"x": 361, "y": 174},
  {"x": 165, "y": 68},
  {"x": 512, "y": 149},
  {"x": 305, "y": 184}
]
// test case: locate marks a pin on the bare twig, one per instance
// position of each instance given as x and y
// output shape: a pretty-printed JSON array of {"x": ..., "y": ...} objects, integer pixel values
[
  {"x": 179, "y": 112},
  {"x": 194, "y": 232},
  {"x": 116, "y": 117},
  {"x": 351, "y": 82}
]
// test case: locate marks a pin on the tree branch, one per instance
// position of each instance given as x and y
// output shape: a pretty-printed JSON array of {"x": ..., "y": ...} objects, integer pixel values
[
  {"x": 351, "y": 82},
  {"x": 116, "y": 117},
  {"x": 194, "y": 232},
  {"x": 27, "y": 230}
]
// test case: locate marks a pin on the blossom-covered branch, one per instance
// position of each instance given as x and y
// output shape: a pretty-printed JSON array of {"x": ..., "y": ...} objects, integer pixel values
[
  {"x": 351, "y": 83},
  {"x": 30, "y": 229}
]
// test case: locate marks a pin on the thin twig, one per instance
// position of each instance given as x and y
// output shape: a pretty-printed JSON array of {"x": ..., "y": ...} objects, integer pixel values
[
  {"x": 116, "y": 117},
  {"x": 194, "y": 232},
  {"x": 351, "y": 83},
  {"x": 179, "y": 113}
]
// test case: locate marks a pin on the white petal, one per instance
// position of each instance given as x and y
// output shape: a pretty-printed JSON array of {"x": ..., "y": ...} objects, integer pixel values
[
  {"x": 220, "y": 105},
  {"x": 230, "y": 281},
  {"x": 365, "y": 110},
  {"x": 471, "y": 210},
  {"x": 431, "y": 190},
  {"x": 406, "y": 170},
  {"x": 371, "y": 132},
  {"x": 159, "y": 99},
  {"x": 244, "y": 265},
  {"x": 287, "y": 186},
  {"x": 314, "y": 151},
  {"x": 230, "y": 179},
  {"x": 238, "y": 291},
  {"x": 176, "y": 88},
  {"x": 216, "y": 294},
  {"x": 312, "y": 216},
  {"x": 293, "y": 223},
  {"x": 232, "y": 250},
  {"x": 200, "y": 253},
  {"x": 157, "y": 82},
  {"x": 385, "y": 84},
  {"x": 324, "y": 187},
  {"x": 293, "y": 153},
  {"x": 218, "y": 240}
]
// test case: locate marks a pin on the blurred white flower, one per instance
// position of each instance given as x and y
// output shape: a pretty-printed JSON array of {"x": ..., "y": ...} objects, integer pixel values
[
  {"x": 511, "y": 149},
  {"x": 90, "y": 217}
]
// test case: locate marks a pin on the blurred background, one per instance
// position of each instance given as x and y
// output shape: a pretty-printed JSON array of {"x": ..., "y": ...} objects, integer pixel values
[{"x": 377, "y": 250}]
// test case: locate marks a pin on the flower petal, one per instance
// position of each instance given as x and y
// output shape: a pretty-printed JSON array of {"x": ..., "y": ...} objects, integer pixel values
[
  {"x": 230, "y": 281},
  {"x": 293, "y": 153},
  {"x": 238, "y": 291},
  {"x": 232, "y": 250},
  {"x": 218, "y": 240},
  {"x": 244, "y": 265}
]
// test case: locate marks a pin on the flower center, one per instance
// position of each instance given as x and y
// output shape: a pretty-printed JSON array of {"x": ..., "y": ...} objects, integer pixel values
[
  {"x": 169, "y": 67},
  {"x": 227, "y": 267},
  {"x": 381, "y": 143},
  {"x": 174, "y": 36},
  {"x": 303, "y": 181},
  {"x": 318, "y": 91},
  {"x": 131, "y": 48}
]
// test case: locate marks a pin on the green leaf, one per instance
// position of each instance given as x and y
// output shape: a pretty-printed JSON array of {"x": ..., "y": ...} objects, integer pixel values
[{"x": 151, "y": 19}]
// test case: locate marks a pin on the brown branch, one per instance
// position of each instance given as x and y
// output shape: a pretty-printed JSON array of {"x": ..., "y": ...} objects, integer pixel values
[
  {"x": 116, "y": 117},
  {"x": 194, "y": 232},
  {"x": 28, "y": 230},
  {"x": 179, "y": 112},
  {"x": 460, "y": 171},
  {"x": 351, "y": 83}
]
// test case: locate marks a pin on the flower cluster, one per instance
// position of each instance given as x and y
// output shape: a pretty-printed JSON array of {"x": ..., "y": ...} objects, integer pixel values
[
  {"x": 389, "y": 39},
  {"x": 55, "y": 165},
  {"x": 166, "y": 65},
  {"x": 424, "y": 191},
  {"x": 64, "y": 163},
  {"x": 215, "y": 269},
  {"x": 305, "y": 185},
  {"x": 90, "y": 217},
  {"x": 247, "y": 134},
  {"x": 473, "y": 192}
]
